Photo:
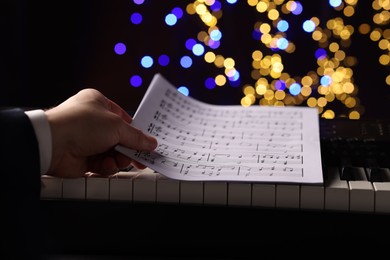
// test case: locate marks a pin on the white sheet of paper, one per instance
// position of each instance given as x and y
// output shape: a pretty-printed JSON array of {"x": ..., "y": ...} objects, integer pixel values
[{"x": 204, "y": 142}]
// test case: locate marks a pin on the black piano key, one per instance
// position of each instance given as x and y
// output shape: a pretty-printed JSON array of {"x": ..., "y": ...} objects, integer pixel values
[
  {"x": 346, "y": 168},
  {"x": 347, "y": 173},
  {"x": 375, "y": 174}
]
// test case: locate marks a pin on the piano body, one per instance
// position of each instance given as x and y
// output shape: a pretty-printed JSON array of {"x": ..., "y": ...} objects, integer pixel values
[{"x": 148, "y": 209}]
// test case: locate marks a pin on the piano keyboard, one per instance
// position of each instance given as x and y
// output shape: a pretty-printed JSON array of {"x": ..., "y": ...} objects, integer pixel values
[
  {"x": 355, "y": 164},
  {"x": 147, "y": 186}
]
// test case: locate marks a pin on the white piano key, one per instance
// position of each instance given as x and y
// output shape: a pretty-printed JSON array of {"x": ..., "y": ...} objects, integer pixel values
[
  {"x": 215, "y": 193},
  {"x": 312, "y": 197},
  {"x": 239, "y": 194},
  {"x": 336, "y": 191},
  {"x": 98, "y": 187},
  {"x": 264, "y": 195},
  {"x": 74, "y": 188},
  {"x": 168, "y": 190},
  {"x": 382, "y": 197},
  {"x": 287, "y": 196},
  {"x": 361, "y": 192},
  {"x": 144, "y": 186},
  {"x": 361, "y": 196},
  {"x": 191, "y": 192},
  {"x": 121, "y": 186},
  {"x": 51, "y": 187}
]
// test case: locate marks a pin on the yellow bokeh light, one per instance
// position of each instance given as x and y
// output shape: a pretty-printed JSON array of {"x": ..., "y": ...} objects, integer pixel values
[
  {"x": 316, "y": 35},
  {"x": 257, "y": 55},
  {"x": 269, "y": 94},
  {"x": 384, "y": 44},
  {"x": 384, "y": 59},
  {"x": 262, "y": 6},
  {"x": 280, "y": 95},
  {"x": 256, "y": 64},
  {"x": 307, "y": 81},
  {"x": 334, "y": 46},
  {"x": 261, "y": 89},
  {"x": 209, "y": 57},
  {"x": 246, "y": 101},
  {"x": 328, "y": 114},
  {"x": 354, "y": 115},
  {"x": 249, "y": 90},
  {"x": 375, "y": 35},
  {"x": 252, "y": 2},
  {"x": 311, "y": 102},
  {"x": 219, "y": 60},
  {"x": 265, "y": 28},
  {"x": 348, "y": 87},
  {"x": 351, "y": 2},
  {"x": 190, "y": 9},
  {"x": 322, "y": 102},
  {"x": 273, "y": 14},
  {"x": 229, "y": 63},
  {"x": 306, "y": 91},
  {"x": 201, "y": 9},
  {"x": 220, "y": 80},
  {"x": 364, "y": 28},
  {"x": 339, "y": 55},
  {"x": 334, "y": 35},
  {"x": 349, "y": 11},
  {"x": 350, "y": 102}
]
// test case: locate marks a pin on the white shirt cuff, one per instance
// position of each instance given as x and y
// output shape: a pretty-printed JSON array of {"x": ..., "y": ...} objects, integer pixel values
[{"x": 43, "y": 132}]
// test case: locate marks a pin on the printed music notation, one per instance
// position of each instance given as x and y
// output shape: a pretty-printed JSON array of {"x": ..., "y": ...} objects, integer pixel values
[{"x": 205, "y": 142}]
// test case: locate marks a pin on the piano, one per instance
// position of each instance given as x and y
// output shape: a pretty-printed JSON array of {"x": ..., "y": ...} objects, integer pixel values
[
  {"x": 356, "y": 169},
  {"x": 148, "y": 209}
]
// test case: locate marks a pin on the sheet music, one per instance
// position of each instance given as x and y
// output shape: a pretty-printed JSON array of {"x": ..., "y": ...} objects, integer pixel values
[{"x": 204, "y": 142}]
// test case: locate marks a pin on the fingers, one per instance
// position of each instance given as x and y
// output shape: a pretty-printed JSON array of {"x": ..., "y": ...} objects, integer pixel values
[
  {"x": 116, "y": 109},
  {"x": 134, "y": 138},
  {"x": 122, "y": 161},
  {"x": 138, "y": 165},
  {"x": 93, "y": 94},
  {"x": 111, "y": 163}
]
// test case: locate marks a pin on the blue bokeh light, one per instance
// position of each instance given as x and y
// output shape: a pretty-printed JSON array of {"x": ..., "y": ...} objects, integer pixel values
[
  {"x": 320, "y": 53},
  {"x": 326, "y": 80},
  {"x": 136, "y": 81},
  {"x": 335, "y": 3},
  {"x": 282, "y": 25},
  {"x": 136, "y": 18},
  {"x": 186, "y": 62},
  {"x": 295, "y": 89},
  {"x": 280, "y": 85},
  {"x": 120, "y": 48},
  {"x": 198, "y": 49},
  {"x": 190, "y": 43},
  {"x": 178, "y": 12},
  {"x": 147, "y": 62},
  {"x": 170, "y": 19},
  {"x": 163, "y": 60},
  {"x": 210, "y": 83},
  {"x": 282, "y": 43},
  {"x": 184, "y": 90},
  {"x": 297, "y": 8},
  {"x": 309, "y": 26}
]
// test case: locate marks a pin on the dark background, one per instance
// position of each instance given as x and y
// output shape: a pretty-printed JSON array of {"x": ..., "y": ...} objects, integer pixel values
[{"x": 51, "y": 49}]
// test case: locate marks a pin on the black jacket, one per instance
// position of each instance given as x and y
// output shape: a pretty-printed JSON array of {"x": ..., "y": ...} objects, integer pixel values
[{"x": 20, "y": 185}]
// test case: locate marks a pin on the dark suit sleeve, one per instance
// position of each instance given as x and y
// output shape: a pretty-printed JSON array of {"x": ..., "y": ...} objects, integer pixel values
[{"x": 20, "y": 182}]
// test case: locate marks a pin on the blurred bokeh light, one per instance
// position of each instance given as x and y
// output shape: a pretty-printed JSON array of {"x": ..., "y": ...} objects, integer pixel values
[{"x": 263, "y": 52}]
